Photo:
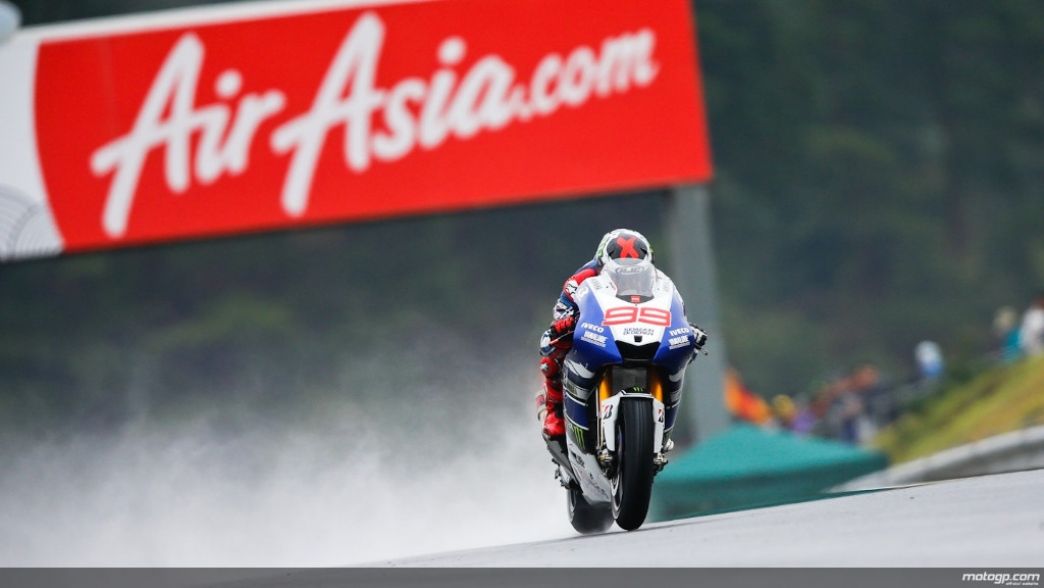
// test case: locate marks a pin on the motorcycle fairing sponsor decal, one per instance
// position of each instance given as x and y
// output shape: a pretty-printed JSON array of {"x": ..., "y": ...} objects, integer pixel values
[
  {"x": 676, "y": 342},
  {"x": 576, "y": 411},
  {"x": 622, "y": 315},
  {"x": 643, "y": 331},
  {"x": 599, "y": 340},
  {"x": 578, "y": 435}
]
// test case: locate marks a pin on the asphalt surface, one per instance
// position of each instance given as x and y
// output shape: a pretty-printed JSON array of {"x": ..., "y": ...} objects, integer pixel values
[{"x": 989, "y": 521}]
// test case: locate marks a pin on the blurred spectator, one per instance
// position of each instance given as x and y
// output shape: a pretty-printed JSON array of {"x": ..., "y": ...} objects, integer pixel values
[
  {"x": 837, "y": 407},
  {"x": 930, "y": 363},
  {"x": 1006, "y": 332},
  {"x": 785, "y": 410},
  {"x": 851, "y": 408},
  {"x": 804, "y": 421},
  {"x": 849, "y": 411},
  {"x": 1031, "y": 334},
  {"x": 878, "y": 405},
  {"x": 824, "y": 409},
  {"x": 742, "y": 403}
]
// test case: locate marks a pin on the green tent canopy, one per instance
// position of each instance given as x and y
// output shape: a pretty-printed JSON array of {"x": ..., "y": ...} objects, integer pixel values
[{"x": 745, "y": 467}]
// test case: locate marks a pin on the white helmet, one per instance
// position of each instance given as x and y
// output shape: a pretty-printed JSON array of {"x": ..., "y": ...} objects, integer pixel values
[{"x": 623, "y": 244}]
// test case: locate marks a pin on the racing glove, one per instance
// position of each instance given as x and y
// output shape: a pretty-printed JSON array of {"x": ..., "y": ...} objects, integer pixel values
[
  {"x": 699, "y": 337},
  {"x": 563, "y": 326}
]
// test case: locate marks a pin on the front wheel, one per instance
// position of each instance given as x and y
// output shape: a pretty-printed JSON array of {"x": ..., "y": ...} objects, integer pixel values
[
  {"x": 632, "y": 484},
  {"x": 585, "y": 517}
]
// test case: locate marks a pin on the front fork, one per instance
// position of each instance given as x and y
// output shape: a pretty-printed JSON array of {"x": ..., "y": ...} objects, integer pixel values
[{"x": 609, "y": 408}]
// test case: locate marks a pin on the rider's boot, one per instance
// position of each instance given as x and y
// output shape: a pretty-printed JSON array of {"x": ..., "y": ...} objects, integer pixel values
[{"x": 549, "y": 411}]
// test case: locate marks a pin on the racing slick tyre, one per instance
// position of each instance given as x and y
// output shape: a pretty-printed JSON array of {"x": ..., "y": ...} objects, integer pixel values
[
  {"x": 632, "y": 484},
  {"x": 585, "y": 517}
]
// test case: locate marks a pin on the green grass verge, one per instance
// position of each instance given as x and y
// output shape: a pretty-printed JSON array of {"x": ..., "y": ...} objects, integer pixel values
[{"x": 1001, "y": 399}]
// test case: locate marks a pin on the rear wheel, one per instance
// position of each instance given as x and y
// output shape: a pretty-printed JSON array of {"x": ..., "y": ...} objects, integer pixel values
[
  {"x": 632, "y": 484},
  {"x": 588, "y": 518}
]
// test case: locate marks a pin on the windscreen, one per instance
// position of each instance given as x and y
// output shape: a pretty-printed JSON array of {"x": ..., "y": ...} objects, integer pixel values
[{"x": 632, "y": 277}]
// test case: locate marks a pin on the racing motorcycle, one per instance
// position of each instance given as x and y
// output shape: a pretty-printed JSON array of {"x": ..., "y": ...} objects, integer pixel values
[{"x": 622, "y": 384}]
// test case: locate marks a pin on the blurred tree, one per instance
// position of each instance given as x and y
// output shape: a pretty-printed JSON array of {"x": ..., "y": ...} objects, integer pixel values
[
  {"x": 880, "y": 167},
  {"x": 879, "y": 175}
]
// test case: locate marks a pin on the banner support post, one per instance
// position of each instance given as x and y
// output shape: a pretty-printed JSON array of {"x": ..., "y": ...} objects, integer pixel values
[{"x": 688, "y": 230}]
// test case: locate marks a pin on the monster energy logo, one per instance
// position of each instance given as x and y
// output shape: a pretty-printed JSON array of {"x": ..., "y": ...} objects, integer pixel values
[{"x": 578, "y": 434}]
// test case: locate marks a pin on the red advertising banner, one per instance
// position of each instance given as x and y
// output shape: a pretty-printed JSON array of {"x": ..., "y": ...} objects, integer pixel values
[{"x": 289, "y": 120}]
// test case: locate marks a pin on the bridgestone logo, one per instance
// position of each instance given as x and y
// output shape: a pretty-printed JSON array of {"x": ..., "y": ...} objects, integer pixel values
[{"x": 1003, "y": 578}]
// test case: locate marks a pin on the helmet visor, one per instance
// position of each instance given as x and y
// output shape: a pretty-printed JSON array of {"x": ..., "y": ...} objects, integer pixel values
[{"x": 632, "y": 277}]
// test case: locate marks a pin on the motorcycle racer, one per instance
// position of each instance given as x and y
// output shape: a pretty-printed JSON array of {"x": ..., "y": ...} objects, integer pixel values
[{"x": 557, "y": 340}]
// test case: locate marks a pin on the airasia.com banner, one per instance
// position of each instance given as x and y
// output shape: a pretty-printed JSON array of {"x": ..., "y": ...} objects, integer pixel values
[{"x": 275, "y": 115}]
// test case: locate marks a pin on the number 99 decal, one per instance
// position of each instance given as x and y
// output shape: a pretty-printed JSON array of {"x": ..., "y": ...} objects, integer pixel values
[{"x": 632, "y": 314}]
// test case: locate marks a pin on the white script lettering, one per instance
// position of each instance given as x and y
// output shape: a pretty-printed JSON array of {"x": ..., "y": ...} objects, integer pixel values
[{"x": 378, "y": 124}]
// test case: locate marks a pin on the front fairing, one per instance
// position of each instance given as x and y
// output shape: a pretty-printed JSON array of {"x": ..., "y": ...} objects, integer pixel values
[
  {"x": 678, "y": 344},
  {"x": 597, "y": 342}
]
